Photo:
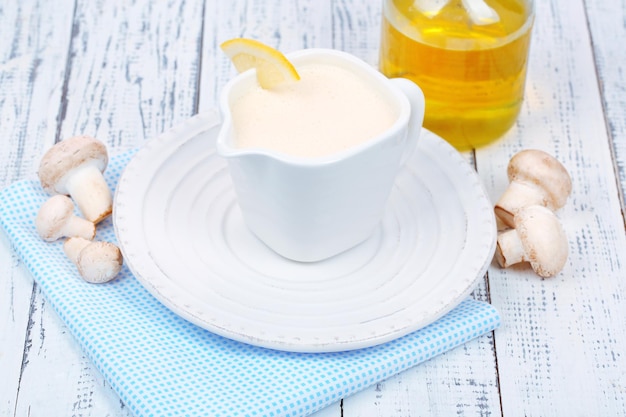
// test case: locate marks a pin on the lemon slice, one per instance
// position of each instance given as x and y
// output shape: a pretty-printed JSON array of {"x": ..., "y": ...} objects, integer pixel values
[{"x": 272, "y": 67}]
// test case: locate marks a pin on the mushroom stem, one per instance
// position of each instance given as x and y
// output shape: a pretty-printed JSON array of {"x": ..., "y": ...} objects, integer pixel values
[
  {"x": 538, "y": 238},
  {"x": 73, "y": 246},
  {"x": 56, "y": 219},
  {"x": 90, "y": 191},
  {"x": 509, "y": 249},
  {"x": 79, "y": 227},
  {"x": 518, "y": 195}
]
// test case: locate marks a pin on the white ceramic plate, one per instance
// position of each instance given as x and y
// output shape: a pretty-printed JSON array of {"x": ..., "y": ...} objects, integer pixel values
[{"x": 181, "y": 232}]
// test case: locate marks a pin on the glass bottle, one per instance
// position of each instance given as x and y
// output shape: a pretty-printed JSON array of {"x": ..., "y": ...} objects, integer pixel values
[{"x": 468, "y": 56}]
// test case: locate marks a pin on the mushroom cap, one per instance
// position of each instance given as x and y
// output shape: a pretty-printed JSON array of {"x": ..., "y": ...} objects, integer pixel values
[
  {"x": 67, "y": 155},
  {"x": 99, "y": 262},
  {"x": 543, "y": 238},
  {"x": 53, "y": 215},
  {"x": 542, "y": 169}
]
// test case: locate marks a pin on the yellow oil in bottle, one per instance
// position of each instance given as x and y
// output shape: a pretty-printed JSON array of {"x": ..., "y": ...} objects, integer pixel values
[{"x": 472, "y": 75}]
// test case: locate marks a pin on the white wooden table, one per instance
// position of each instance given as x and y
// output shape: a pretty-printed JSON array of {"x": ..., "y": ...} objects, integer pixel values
[{"x": 124, "y": 71}]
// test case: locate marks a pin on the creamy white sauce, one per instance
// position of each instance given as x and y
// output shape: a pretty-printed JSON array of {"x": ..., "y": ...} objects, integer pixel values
[{"x": 328, "y": 110}]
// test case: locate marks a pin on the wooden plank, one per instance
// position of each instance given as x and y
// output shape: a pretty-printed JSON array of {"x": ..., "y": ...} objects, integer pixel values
[
  {"x": 463, "y": 381},
  {"x": 138, "y": 77},
  {"x": 33, "y": 52},
  {"x": 606, "y": 23},
  {"x": 16, "y": 288},
  {"x": 133, "y": 73},
  {"x": 357, "y": 28},
  {"x": 259, "y": 20},
  {"x": 287, "y": 26},
  {"x": 560, "y": 349}
]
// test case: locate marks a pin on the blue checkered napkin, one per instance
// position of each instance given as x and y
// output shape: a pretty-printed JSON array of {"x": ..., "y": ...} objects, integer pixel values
[{"x": 162, "y": 365}]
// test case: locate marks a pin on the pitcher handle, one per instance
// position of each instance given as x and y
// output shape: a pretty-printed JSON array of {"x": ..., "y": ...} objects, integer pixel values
[{"x": 416, "y": 100}]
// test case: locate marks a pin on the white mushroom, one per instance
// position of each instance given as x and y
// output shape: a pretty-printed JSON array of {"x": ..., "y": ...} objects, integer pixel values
[
  {"x": 97, "y": 262},
  {"x": 538, "y": 238},
  {"x": 56, "y": 219},
  {"x": 535, "y": 178},
  {"x": 74, "y": 167}
]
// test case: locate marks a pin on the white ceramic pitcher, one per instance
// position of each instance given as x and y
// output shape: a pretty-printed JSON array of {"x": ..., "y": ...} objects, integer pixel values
[{"x": 310, "y": 209}]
